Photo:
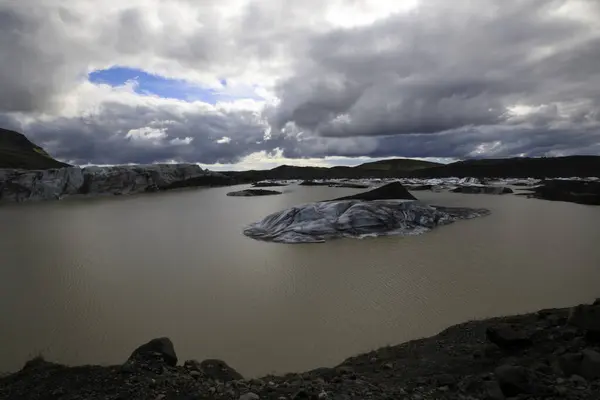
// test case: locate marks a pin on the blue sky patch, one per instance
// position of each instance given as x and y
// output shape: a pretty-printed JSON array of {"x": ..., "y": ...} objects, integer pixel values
[{"x": 150, "y": 84}]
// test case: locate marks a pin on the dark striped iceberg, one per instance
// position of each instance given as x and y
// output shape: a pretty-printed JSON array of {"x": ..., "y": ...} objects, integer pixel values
[{"x": 321, "y": 221}]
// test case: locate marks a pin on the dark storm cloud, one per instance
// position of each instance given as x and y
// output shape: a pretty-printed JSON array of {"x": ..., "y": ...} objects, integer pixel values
[
  {"x": 468, "y": 143},
  {"x": 443, "y": 68},
  {"x": 448, "y": 79},
  {"x": 121, "y": 134}
]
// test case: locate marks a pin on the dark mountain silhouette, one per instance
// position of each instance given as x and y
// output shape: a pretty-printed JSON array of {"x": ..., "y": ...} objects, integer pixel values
[{"x": 16, "y": 151}]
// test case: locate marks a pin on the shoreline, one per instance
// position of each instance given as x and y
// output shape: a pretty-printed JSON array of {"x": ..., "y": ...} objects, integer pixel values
[{"x": 550, "y": 354}]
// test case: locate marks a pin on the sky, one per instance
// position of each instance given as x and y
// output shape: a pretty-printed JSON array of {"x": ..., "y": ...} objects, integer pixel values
[{"x": 242, "y": 84}]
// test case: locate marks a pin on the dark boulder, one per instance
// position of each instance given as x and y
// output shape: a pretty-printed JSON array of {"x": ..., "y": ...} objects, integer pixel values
[
  {"x": 158, "y": 350},
  {"x": 590, "y": 364},
  {"x": 391, "y": 191},
  {"x": 493, "y": 391},
  {"x": 508, "y": 337},
  {"x": 253, "y": 192},
  {"x": 219, "y": 370},
  {"x": 37, "y": 363},
  {"x": 586, "y": 318},
  {"x": 570, "y": 363},
  {"x": 514, "y": 380}
]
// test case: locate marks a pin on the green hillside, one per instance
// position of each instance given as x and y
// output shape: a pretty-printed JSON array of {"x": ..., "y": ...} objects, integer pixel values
[{"x": 16, "y": 151}]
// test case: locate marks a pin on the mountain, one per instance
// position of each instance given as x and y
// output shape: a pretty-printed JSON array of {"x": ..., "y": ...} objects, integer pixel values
[
  {"x": 520, "y": 167},
  {"x": 16, "y": 151},
  {"x": 378, "y": 169},
  {"x": 397, "y": 164}
]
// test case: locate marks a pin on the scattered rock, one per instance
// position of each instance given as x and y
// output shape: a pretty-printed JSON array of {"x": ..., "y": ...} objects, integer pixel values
[
  {"x": 446, "y": 380},
  {"x": 156, "y": 349},
  {"x": 440, "y": 367},
  {"x": 195, "y": 374},
  {"x": 37, "y": 362},
  {"x": 578, "y": 380},
  {"x": 249, "y": 396},
  {"x": 513, "y": 380},
  {"x": 586, "y": 317},
  {"x": 570, "y": 363},
  {"x": 301, "y": 394},
  {"x": 493, "y": 391},
  {"x": 507, "y": 336},
  {"x": 590, "y": 364},
  {"x": 192, "y": 365},
  {"x": 219, "y": 370}
]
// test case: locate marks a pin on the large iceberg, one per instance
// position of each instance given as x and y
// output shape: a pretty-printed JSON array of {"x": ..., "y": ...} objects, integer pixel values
[{"x": 318, "y": 222}]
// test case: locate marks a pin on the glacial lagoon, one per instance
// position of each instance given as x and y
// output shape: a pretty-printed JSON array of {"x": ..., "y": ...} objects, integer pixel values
[{"x": 86, "y": 281}]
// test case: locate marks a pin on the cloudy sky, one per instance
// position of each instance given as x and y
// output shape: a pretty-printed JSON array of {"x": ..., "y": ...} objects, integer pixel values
[{"x": 255, "y": 83}]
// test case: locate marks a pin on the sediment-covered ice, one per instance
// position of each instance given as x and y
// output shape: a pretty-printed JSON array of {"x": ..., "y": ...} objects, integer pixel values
[
  {"x": 25, "y": 185},
  {"x": 318, "y": 222}
]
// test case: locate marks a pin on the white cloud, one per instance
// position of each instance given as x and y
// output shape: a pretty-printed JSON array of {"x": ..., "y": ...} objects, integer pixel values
[
  {"x": 184, "y": 141},
  {"x": 223, "y": 140}
]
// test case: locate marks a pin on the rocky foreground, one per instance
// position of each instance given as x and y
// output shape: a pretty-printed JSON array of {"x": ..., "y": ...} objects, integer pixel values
[{"x": 550, "y": 354}]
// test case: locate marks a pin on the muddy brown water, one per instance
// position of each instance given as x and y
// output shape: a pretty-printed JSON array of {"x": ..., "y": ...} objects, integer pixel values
[{"x": 87, "y": 281}]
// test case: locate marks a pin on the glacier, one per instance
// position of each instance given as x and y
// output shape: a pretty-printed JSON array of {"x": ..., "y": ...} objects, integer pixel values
[{"x": 52, "y": 184}]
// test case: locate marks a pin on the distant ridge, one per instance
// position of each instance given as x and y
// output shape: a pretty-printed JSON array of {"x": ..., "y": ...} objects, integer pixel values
[
  {"x": 16, "y": 151},
  {"x": 398, "y": 164},
  {"x": 550, "y": 167},
  {"x": 519, "y": 167}
]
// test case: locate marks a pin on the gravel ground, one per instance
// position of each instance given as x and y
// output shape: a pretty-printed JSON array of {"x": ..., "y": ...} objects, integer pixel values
[{"x": 551, "y": 354}]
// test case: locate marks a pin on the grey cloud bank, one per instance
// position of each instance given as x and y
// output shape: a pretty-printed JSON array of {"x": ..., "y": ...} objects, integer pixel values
[{"x": 444, "y": 79}]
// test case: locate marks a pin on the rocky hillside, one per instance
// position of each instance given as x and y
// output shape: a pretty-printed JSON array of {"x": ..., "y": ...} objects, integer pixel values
[
  {"x": 16, "y": 151},
  {"x": 550, "y": 354}
]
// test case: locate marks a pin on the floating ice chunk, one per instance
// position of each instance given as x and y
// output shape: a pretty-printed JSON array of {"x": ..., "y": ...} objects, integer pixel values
[{"x": 318, "y": 222}]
